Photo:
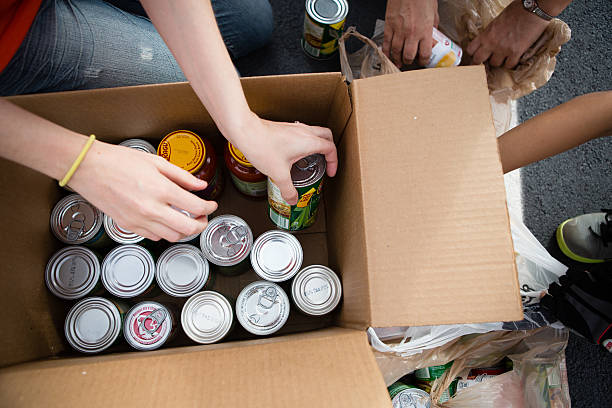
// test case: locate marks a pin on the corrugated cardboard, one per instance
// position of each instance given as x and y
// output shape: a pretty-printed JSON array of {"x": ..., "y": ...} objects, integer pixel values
[{"x": 415, "y": 224}]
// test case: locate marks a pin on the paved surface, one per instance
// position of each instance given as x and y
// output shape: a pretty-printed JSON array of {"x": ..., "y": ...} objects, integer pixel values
[{"x": 558, "y": 188}]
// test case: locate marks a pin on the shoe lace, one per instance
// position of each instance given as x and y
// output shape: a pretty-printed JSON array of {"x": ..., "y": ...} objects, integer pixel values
[{"x": 605, "y": 228}]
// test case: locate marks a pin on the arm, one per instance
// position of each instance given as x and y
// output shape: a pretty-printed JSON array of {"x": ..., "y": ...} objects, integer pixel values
[
  {"x": 189, "y": 29},
  {"x": 557, "y": 130}
]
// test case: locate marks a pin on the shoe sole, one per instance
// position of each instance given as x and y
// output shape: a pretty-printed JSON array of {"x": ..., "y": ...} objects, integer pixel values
[{"x": 567, "y": 252}]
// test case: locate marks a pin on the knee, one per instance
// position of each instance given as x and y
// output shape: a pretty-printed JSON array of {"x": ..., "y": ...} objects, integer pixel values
[{"x": 258, "y": 22}]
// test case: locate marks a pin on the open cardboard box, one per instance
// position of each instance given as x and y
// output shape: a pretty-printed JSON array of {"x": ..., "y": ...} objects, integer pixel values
[{"x": 415, "y": 223}]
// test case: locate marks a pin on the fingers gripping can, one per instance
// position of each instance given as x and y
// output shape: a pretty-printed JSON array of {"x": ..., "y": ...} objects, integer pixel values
[
  {"x": 307, "y": 176},
  {"x": 323, "y": 26}
]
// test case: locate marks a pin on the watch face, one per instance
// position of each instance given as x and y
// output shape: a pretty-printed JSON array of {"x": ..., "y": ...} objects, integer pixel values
[{"x": 528, "y": 4}]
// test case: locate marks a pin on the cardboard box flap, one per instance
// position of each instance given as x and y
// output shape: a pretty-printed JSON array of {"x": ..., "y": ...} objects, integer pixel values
[
  {"x": 294, "y": 371},
  {"x": 434, "y": 205}
]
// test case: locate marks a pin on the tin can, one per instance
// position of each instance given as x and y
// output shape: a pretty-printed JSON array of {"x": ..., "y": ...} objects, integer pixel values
[
  {"x": 425, "y": 378},
  {"x": 207, "y": 317},
  {"x": 148, "y": 325},
  {"x": 323, "y": 26},
  {"x": 182, "y": 270},
  {"x": 408, "y": 396},
  {"x": 276, "y": 256},
  {"x": 262, "y": 308},
  {"x": 94, "y": 324},
  {"x": 247, "y": 179},
  {"x": 118, "y": 234},
  {"x": 189, "y": 238},
  {"x": 139, "y": 144},
  {"x": 73, "y": 272},
  {"x": 444, "y": 52},
  {"x": 316, "y": 290},
  {"x": 307, "y": 175},
  {"x": 128, "y": 271},
  {"x": 226, "y": 242},
  {"x": 77, "y": 222}
]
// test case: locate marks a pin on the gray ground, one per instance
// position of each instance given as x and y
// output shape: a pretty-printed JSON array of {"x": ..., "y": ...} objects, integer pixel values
[{"x": 555, "y": 189}]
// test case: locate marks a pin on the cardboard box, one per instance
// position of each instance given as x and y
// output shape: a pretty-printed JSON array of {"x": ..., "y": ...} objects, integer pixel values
[{"x": 415, "y": 224}]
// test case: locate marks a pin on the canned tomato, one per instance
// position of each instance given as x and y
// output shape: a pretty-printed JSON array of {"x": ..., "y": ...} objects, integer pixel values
[
  {"x": 307, "y": 175},
  {"x": 128, "y": 271},
  {"x": 94, "y": 324},
  {"x": 226, "y": 243},
  {"x": 190, "y": 152},
  {"x": 207, "y": 317},
  {"x": 276, "y": 256},
  {"x": 425, "y": 378},
  {"x": 247, "y": 179},
  {"x": 148, "y": 325},
  {"x": 408, "y": 396},
  {"x": 182, "y": 270},
  {"x": 444, "y": 52},
  {"x": 316, "y": 290},
  {"x": 323, "y": 26},
  {"x": 73, "y": 272},
  {"x": 139, "y": 144},
  {"x": 118, "y": 234},
  {"x": 75, "y": 221},
  {"x": 262, "y": 308}
]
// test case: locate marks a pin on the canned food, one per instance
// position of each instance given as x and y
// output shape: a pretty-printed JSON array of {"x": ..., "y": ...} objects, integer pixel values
[
  {"x": 444, "y": 52},
  {"x": 139, "y": 144},
  {"x": 307, "y": 175},
  {"x": 226, "y": 242},
  {"x": 73, "y": 272},
  {"x": 182, "y": 270},
  {"x": 323, "y": 26},
  {"x": 94, "y": 324},
  {"x": 425, "y": 378},
  {"x": 247, "y": 179},
  {"x": 75, "y": 221},
  {"x": 474, "y": 376},
  {"x": 262, "y": 308},
  {"x": 118, "y": 234},
  {"x": 408, "y": 396},
  {"x": 190, "y": 152},
  {"x": 276, "y": 256},
  {"x": 128, "y": 271},
  {"x": 188, "y": 238},
  {"x": 207, "y": 317},
  {"x": 148, "y": 325},
  {"x": 316, "y": 290}
]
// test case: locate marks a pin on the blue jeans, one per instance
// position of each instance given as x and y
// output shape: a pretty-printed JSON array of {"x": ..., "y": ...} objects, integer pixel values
[{"x": 87, "y": 44}]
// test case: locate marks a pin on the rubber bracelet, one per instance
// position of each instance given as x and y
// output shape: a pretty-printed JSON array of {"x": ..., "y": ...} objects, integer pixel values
[{"x": 78, "y": 161}]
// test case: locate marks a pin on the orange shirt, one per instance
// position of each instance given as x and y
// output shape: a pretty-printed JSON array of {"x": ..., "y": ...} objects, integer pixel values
[{"x": 16, "y": 18}]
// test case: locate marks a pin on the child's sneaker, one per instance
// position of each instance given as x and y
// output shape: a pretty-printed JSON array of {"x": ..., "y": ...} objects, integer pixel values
[{"x": 587, "y": 238}]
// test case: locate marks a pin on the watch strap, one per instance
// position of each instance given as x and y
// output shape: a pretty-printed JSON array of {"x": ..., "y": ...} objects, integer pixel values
[{"x": 541, "y": 13}]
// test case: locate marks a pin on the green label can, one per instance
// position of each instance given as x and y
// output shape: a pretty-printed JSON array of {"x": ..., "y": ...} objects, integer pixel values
[
  {"x": 307, "y": 175},
  {"x": 408, "y": 396},
  {"x": 323, "y": 26}
]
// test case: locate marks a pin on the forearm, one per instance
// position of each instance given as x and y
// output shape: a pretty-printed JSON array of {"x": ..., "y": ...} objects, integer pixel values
[
  {"x": 37, "y": 143},
  {"x": 554, "y": 7},
  {"x": 557, "y": 130}
]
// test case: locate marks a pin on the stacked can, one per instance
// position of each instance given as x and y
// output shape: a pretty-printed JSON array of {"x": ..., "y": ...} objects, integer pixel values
[
  {"x": 148, "y": 325},
  {"x": 75, "y": 221},
  {"x": 207, "y": 317},
  {"x": 128, "y": 271},
  {"x": 262, "y": 308},
  {"x": 316, "y": 290},
  {"x": 408, "y": 396},
  {"x": 226, "y": 243},
  {"x": 182, "y": 270},
  {"x": 73, "y": 272},
  {"x": 276, "y": 256}
]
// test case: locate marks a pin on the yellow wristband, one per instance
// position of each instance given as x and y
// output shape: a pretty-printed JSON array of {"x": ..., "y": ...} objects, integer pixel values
[{"x": 78, "y": 161}]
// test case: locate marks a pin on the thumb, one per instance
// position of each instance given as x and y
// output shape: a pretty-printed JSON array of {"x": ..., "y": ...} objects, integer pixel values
[
  {"x": 181, "y": 177},
  {"x": 287, "y": 189}
]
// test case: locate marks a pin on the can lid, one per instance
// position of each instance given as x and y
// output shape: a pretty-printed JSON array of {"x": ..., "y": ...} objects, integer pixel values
[
  {"x": 184, "y": 149},
  {"x": 227, "y": 240},
  {"x": 72, "y": 272},
  {"x": 411, "y": 398},
  {"x": 128, "y": 271},
  {"x": 139, "y": 144},
  {"x": 316, "y": 290},
  {"x": 182, "y": 270},
  {"x": 207, "y": 317},
  {"x": 276, "y": 256},
  {"x": 147, "y": 325},
  {"x": 118, "y": 234},
  {"x": 92, "y": 325},
  {"x": 187, "y": 213},
  {"x": 327, "y": 11},
  {"x": 308, "y": 170},
  {"x": 74, "y": 220},
  {"x": 262, "y": 308},
  {"x": 238, "y": 155}
]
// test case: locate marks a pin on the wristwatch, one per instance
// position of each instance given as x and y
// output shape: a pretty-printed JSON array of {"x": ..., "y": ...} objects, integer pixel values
[{"x": 533, "y": 7}]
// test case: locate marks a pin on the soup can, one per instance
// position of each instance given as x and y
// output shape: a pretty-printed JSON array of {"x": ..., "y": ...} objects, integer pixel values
[
  {"x": 323, "y": 27},
  {"x": 128, "y": 271},
  {"x": 139, "y": 144},
  {"x": 276, "y": 256},
  {"x": 148, "y": 325},
  {"x": 226, "y": 242},
  {"x": 118, "y": 234},
  {"x": 73, "y": 272},
  {"x": 408, "y": 396},
  {"x": 182, "y": 270},
  {"x": 77, "y": 222},
  {"x": 207, "y": 317},
  {"x": 316, "y": 290},
  {"x": 262, "y": 308}
]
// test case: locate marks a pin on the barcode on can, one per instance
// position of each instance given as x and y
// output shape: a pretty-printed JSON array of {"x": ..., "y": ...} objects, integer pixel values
[
  {"x": 279, "y": 219},
  {"x": 315, "y": 52}
]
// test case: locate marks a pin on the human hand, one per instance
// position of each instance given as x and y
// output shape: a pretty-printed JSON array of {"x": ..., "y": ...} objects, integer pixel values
[
  {"x": 507, "y": 37},
  {"x": 408, "y": 30},
  {"x": 137, "y": 189},
  {"x": 273, "y": 147}
]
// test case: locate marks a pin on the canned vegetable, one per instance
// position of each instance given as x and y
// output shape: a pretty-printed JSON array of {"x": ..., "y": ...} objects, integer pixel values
[
  {"x": 118, "y": 234},
  {"x": 207, "y": 317},
  {"x": 226, "y": 242},
  {"x": 323, "y": 26},
  {"x": 75, "y": 221},
  {"x": 128, "y": 271},
  {"x": 316, "y": 290},
  {"x": 73, "y": 272},
  {"x": 262, "y": 308},
  {"x": 139, "y": 144},
  {"x": 408, "y": 396},
  {"x": 425, "y": 378},
  {"x": 148, "y": 325},
  {"x": 276, "y": 256},
  {"x": 182, "y": 270}
]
